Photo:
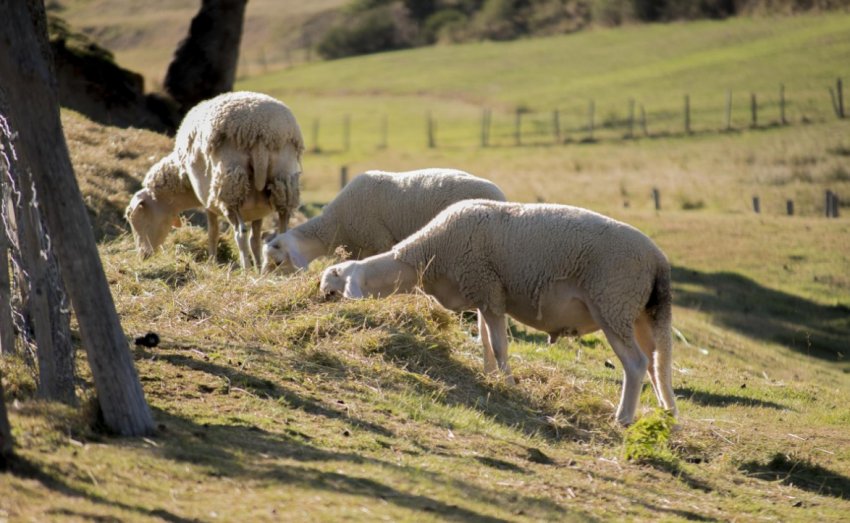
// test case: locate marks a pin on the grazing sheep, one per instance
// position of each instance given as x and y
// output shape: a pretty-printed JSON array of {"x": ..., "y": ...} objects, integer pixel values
[
  {"x": 373, "y": 213},
  {"x": 237, "y": 155},
  {"x": 563, "y": 270}
]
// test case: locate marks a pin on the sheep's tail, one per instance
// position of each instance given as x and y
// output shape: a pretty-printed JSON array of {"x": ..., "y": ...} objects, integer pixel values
[
  {"x": 260, "y": 165},
  {"x": 660, "y": 310}
]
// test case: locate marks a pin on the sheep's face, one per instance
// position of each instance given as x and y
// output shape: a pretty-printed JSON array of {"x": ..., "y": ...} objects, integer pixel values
[
  {"x": 276, "y": 256},
  {"x": 150, "y": 221},
  {"x": 334, "y": 281}
]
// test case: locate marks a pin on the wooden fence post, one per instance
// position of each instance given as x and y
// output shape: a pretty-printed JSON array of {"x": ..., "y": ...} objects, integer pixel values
[
  {"x": 556, "y": 126},
  {"x": 789, "y": 207},
  {"x": 756, "y": 205},
  {"x": 782, "y": 120},
  {"x": 754, "y": 111},
  {"x": 631, "y": 118},
  {"x": 431, "y": 143},
  {"x": 485, "y": 128},
  {"x": 728, "y": 110},
  {"x": 591, "y": 109},
  {"x": 643, "y": 121},
  {"x": 343, "y": 177},
  {"x": 518, "y": 128},
  {"x": 687, "y": 114},
  {"x": 835, "y": 205},
  {"x": 828, "y": 204},
  {"x": 656, "y": 197},
  {"x": 316, "y": 135}
]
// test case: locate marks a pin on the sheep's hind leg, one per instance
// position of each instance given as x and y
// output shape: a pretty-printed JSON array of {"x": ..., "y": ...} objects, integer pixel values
[
  {"x": 490, "y": 365},
  {"x": 240, "y": 233},
  {"x": 635, "y": 365},
  {"x": 497, "y": 330},
  {"x": 257, "y": 242},
  {"x": 646, "y": 341},
  {"x": 212, "y": 234}
]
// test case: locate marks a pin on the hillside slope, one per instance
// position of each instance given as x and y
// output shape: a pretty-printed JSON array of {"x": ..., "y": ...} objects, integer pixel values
[{"x": 274, "y": 405}]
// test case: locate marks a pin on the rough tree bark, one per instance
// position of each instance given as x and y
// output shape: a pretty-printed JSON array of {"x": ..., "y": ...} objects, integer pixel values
[
  {"x": 204, "y": 64},
  {"x": 44, "y": 316},
  {"x": 7, "y": 332},
  {"x": 32, "y": 109}
]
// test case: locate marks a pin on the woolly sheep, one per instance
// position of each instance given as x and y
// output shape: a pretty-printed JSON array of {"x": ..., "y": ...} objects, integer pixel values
[
  {"x": 237, "y": 155},
  {"x": 564, "y": 270},
  {"x": 373, "y": 213}
]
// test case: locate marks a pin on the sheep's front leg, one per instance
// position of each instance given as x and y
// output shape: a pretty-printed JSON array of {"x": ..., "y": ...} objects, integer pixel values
[
  {"x": 635, "y": 364},
  {"x": 257, "y": 242},
  {"x": 490, "y": 365},
  {"x": 497, "y": 330},
  {"x": 212, "y": 234}
]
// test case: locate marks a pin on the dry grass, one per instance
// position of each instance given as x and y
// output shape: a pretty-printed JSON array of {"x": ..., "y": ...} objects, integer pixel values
[{"x": 272, "y": 404}]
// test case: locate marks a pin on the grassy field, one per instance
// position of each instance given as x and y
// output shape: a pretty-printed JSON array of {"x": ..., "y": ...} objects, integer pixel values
[{"x": 272, "y": 404}]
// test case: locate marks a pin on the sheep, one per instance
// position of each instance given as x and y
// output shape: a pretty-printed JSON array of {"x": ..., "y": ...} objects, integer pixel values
[
  {"x": 237, "y": 155},
  {"x": 564, "y": 270},
  {"x": 373, "y": 213}
]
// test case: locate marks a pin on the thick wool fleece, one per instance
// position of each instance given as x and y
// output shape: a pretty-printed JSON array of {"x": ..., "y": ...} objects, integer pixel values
[
  {"x": 164, "y": 177},
  {"x": 507, "y": 251},
  {"x": 239, "y": 141},
  {"x": 378, "y": 209}
]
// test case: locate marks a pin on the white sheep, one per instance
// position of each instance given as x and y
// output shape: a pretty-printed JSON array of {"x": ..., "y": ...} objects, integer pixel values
[
  {"x": 374, "y": 212},
  {"x": 236, "y": 155},
  {"x": 563, "y": 270}
]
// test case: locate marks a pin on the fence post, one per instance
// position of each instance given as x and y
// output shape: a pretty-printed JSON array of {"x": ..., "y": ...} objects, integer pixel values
[
  {"x": 343, "y": 177},
  {"x": 643, "y": 121},
  {"x": 431, "y": 143},
  {"x": 556, "y": 125},
  {"x": 346, "y": 133},
  {"x": 656, "y": 197},
  {"x": 756, "y": 205},
  {"x": 828, "y": 204},
  {"x": 835, "y": 205},
  {"x": 754, "y": 111},
  {"x": 631, "y": 118},
  {"x": 591, "y": 109},
  {"x": 782, "y": 120},
  {"x": 728, "y": 110},
  {"x": 316, "y": 135},
  {"x": 485, "y": 128},
  {"x": 789, "y": 207},
  {"x": 518, "y": 128},
  {"x": 687, "y": 114}
]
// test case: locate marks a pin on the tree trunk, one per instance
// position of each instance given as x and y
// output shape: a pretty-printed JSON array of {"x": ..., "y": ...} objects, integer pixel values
[
  {"x": 204, "y": 64},
  {"x": 5, "y": 430},
  {"x": 33, "y": 111},
  {"x": 44, "y": 308},
  {"x": 7, "y": 330}
]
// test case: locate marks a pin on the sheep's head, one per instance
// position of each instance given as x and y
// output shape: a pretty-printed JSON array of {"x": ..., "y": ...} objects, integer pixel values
[
  {"x": 336, "y": 282},
  {"x": 150, "y": 219},
  {"x": 278, "y": 255}
]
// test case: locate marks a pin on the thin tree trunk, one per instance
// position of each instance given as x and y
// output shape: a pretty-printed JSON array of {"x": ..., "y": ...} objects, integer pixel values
[
  {"x": 7, "y": 330},
  {"x": 33, "y": 111},
  {"x": 205, "y": 62},
  {"x": 5, "y": 430},
  {"x": 44, "y": 307}
]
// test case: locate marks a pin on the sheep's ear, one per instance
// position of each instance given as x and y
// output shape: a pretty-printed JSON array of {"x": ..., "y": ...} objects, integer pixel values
[
  {"x": 268, "y": 236},
  {"x": 177, "y": 222},
  {"x": 352, "y": 290}
]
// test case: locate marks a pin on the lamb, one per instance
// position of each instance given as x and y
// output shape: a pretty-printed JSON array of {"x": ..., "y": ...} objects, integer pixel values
[
  {"x": 237, "y": 155},
  {"x": 373, "y": 213},
  {"x": 564, "y": 270}
]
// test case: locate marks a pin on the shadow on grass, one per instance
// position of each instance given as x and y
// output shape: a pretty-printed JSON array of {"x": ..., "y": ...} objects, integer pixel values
[
  {"x": 711, "y": 399},
  {"x": 237, "y": 451},
  {"x": 742, "y": 304},
  {"x": 24, "y": 469},
  {"x": 801, "y": 474}
]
